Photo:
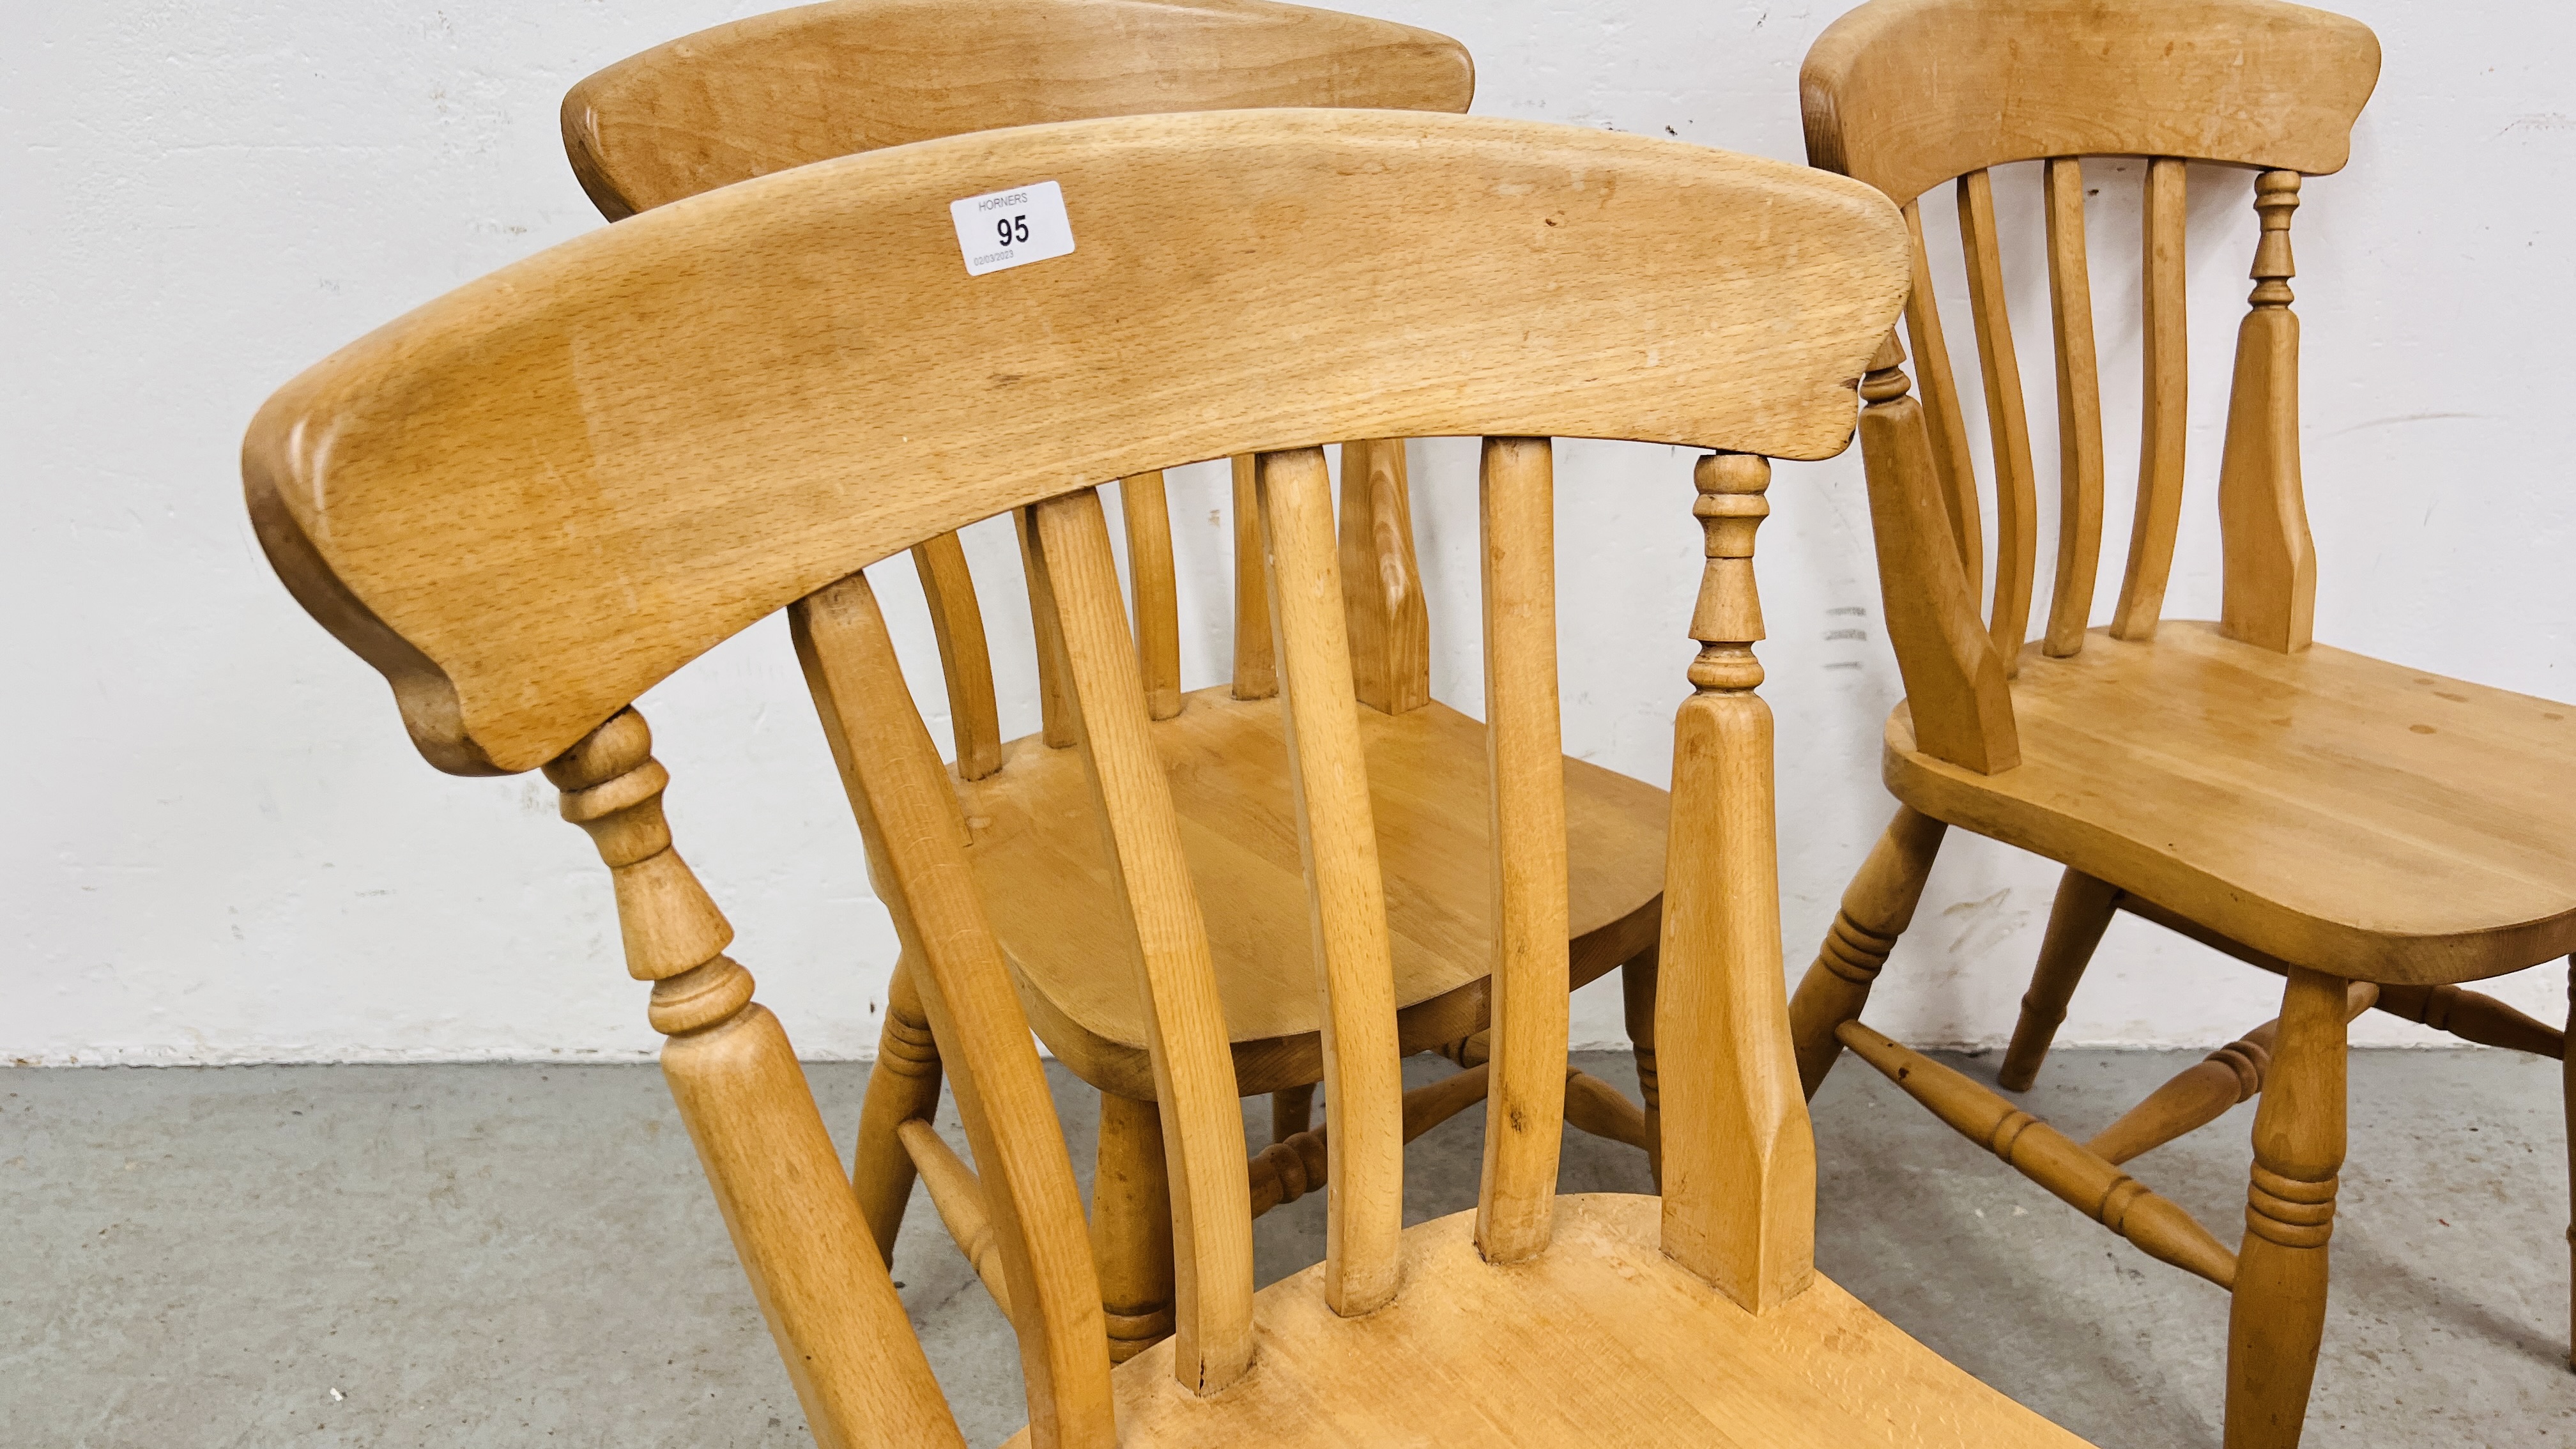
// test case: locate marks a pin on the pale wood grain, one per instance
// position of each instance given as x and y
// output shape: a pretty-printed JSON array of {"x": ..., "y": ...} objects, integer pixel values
[
  {"x": 1152, "y": 591},
  {"x": 2201, "y": 1093},
  {"x": 798, "y": 86},
  {"x": 2079, "y": 411},
  {"x": 2077, "y": 917},
  {"x": 2269, "y": 562},
  {"x": 1193, "y": 1074},
  {"x": 916, "y": 847},
  {"x": 1906, "y": 94},
  {"x": 1390, "y": 621},
  {"x": 1739, "y": 1157},
  {"x": 1876, "y": 908},
  {"x": 841, "y": 1332},
  {"x": 2165, "y": 415},
  {"x": 2277, "y": 1317},
  {"x": 959, "y": 1199},
  {"x": 745, "y": 323},
  {"x": 1256, "y": 656},
  {"x": 965, "y": 658},
  {"x": 903, "y": 1084},
  {"x": 2007, "y": 423},
  {"x": 1941, "y": 415},
  {"x": 1131, "y": 1225},
  {"x": 1524, "y": 750},
  {"x": 1635, "y": 1351},
  {"x": 1337, "y": 841}
]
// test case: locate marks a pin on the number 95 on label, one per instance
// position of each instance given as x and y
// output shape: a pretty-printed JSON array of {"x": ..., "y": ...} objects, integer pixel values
[{"x": 1012, "y": 228}]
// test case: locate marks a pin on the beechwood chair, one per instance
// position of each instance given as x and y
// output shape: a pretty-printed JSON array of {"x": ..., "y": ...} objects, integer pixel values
[
  {"x": 798, "y": 86},
  {"x": 531, "y": 499},
  {"x": 2373, "y": 833}
]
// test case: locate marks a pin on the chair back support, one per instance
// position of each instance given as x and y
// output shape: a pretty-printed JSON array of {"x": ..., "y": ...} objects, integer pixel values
[
  {"x": 534, "y": 497},
  {"x": 1907, "y": 94},
  {"x": 805, "y": 85}
]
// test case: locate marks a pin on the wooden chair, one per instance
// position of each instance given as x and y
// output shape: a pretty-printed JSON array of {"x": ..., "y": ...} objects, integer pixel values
[
  {"x": 799, "y": 86},
  {"x": 2374, "y": 833},
  {"x": 533, "y": 498}
]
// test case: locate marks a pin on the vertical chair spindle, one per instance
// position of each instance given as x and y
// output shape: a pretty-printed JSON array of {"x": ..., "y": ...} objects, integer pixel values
[
  {"x": 1739, "y": 1206},
  {"x": 1525, "y": 760},
  {"x": 1345, "y": 887},
  {"x": 1256, "y": 660},
  {"x": 1948, "y": 429},
  {"x": 2007, "y": 422},
  {"x": 957, "y": 621},
  {"x": 1390, "y": 622},
  {"x": 916, "y": 842},
  {"x": 849, "y": 1350},
  {"x": 2165, "y": 418},
  {"x": 1152, "y": 588},
  {"x": 2079, "y": 412},
  {"x": 1077, "y": 582},
  {"x": 2269, "y": 560}
]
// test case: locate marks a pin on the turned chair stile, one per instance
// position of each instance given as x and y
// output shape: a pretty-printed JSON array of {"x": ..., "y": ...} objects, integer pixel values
[
  {"x": 774, "y": 91},
  {"x": 2232, "y": 781},
  {"x": 612, "y": 494}
]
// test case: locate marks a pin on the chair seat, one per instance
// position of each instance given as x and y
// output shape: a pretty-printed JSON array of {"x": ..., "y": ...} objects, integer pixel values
[
  {"x": 2342, "y": 813},
  {"x": 1037, "y": 853},
  {"x": 1601, "y": 1340}
]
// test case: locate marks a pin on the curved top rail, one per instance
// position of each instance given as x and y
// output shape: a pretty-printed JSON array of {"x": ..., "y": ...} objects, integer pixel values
[
  {"x": 1906, "y": 94},
  {"x": 531, "y": 499},
  {"x": 804, "y": 85}
]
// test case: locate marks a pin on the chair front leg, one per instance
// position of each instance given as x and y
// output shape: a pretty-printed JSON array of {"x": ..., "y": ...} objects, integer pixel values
[
  {"x": 1131, "y": 1226},
  {"x": 1876, "y": 909},
  {"x": 903, "y": 1086},
  {"x": 2277, "y": 1317}
]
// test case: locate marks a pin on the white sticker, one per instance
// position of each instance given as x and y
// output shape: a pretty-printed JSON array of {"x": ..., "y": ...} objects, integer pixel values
[{"x": 1003, "y": 229}]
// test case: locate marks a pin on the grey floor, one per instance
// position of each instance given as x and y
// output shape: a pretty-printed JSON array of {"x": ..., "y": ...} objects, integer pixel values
[{"x": 504, "y": 1255}]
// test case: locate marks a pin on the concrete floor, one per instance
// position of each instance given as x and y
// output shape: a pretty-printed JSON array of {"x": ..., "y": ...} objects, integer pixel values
[{"x": 505, "y": 1255}]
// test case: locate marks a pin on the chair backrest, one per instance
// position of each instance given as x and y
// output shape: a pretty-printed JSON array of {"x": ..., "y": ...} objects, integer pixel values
[
  {"x": 798, "y": 86},
  {"x": 1907, "y": 94},
  {"x": 535, "y": 497}
]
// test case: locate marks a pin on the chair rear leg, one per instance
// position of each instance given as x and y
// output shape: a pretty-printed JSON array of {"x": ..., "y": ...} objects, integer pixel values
[
  {"x": 2276, "y": 1318},
  {"x": 1637, "y": 996},
  {"x": 2075, "y": 926},
  {"x": 1131, "y": 1226},
  {"x": 1876, "y": 909},
  {"x": 2567, "y": 1079},
  {"x": 902, "y": 1086}
]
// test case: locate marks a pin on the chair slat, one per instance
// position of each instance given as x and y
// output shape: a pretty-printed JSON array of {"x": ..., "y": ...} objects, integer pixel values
[
  {"x": 1077, "y": 582},
  {"x": 1390, "y": 622},
  {"x": 2270, "y": 570},
  {"x": 1055, "y": 708},
  {"x": 1739, "y": 1154},
  {"x": 2079, "y": 412},
  {"x": 965, "y": 659},
  {"x": 1345, "y": 887},
  {"x": 1256, "y": 665},
  {"x": 1524, "y": 754},
  {"x": 1948, "y": 428},
  {"x": 907, "y": 809},
  {"x": 1152, "y": 590},
  {"x": 2007, "y": 422},
  {"x": 2166, "y": 419}
]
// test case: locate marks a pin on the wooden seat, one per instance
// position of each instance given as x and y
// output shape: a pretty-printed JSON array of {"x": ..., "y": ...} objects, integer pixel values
[
  {"x": 531, "y": 500},
  {"x": 2206, "y": 770},
  {"x": 2373, "y": 833},
  {"x": 1036, "y": 849},
  {"x": 1639, "y": 1352},
  {"x": 796, "y": 87}
]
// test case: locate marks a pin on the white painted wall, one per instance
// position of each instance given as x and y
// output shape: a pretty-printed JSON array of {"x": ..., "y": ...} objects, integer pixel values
[{"x": 220, "y": 847}]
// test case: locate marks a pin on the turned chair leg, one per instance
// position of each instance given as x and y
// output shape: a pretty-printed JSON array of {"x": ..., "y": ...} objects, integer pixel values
[
  {"x": 1637, "y": 996},
  {"x": 1876, "y": 909},
  {"x": 1292, "y": 1110},
  {"x": 902, "y": 1086},
  {"x": 1131, "y": 1226},
  {"x": 2276, "y": 1318},
  {"x": 2075, "y": 925},
  {"x": 2567, "y": 1080}
]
